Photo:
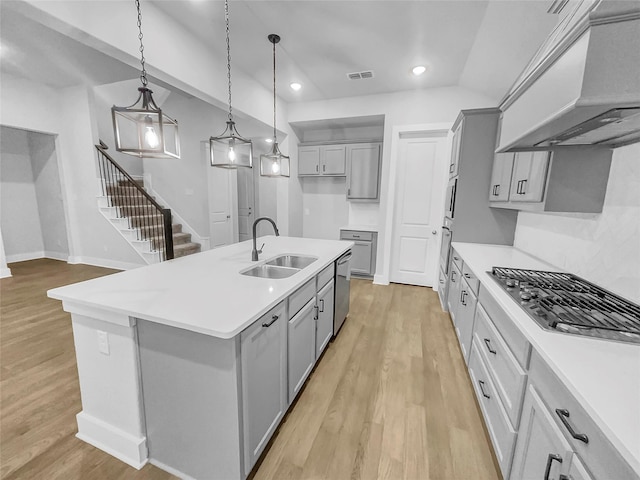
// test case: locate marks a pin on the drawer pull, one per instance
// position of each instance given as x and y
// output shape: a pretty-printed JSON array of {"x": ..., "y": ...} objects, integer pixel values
[
  {"x": 487, "y": 342},
  {"x": 273, "y": 319},
  {"x": 550, "y": 459},
  {"x": 466, "y": 275},
  {"x": 563, "y": 413},
  {"x": 481, "y": 383},
  {"x": 322, "y": 308}
]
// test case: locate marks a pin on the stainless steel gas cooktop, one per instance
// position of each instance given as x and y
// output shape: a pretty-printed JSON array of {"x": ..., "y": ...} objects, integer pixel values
[{"x": 566, "y": 303}]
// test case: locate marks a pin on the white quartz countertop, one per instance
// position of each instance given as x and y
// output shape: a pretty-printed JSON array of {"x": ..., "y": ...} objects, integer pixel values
[
  {"x": 604, "y": 376},
  {"x": 361, "y": 228},
  {"x": 205, "y": 292}
]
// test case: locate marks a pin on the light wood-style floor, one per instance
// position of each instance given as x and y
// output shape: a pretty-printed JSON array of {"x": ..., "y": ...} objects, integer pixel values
[{"x": 389, "y": 399}]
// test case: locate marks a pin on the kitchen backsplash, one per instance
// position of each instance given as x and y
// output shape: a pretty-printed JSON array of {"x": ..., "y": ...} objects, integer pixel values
[{"x": 602, "y": 248}]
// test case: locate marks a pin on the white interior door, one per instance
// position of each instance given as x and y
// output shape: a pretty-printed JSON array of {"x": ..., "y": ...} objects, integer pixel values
[
  {"x": 220, "y": 207},
  {"x": 246, "y": 203},
  {"x": 416, "y": 219}
]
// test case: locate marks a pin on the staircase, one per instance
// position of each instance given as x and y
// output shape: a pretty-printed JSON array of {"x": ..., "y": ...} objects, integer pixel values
[{"x": 141, "y": 220}]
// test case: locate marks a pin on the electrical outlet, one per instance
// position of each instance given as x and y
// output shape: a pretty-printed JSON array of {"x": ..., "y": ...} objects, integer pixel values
[{"x": 103, "y": 342}]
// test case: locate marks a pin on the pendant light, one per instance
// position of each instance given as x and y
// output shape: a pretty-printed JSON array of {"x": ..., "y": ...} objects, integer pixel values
[
  {"x": 230, "y": 149},
  {"x": 274, "y": 163},
  {"x": 142, "y": 129}
]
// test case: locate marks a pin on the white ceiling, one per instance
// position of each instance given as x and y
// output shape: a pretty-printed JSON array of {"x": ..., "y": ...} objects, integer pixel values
[{"x": 479, "y": 44}]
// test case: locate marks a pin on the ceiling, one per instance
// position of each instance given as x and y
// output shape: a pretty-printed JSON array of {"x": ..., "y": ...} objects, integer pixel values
[{"x": 479, "y": 44}]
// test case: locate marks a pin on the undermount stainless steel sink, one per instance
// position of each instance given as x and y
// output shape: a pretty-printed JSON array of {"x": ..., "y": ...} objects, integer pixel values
[
  {"x": 270, "y": 271},
  {"x": 292, "y": 261}
]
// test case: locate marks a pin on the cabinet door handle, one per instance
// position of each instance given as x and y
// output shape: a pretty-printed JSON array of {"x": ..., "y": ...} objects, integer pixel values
[
  {"x": 487, "y": 342},
  {"x": 273, "y": 319},
  {"x": 524, "y": 186},
  {"x": 481, "y": 383},
  {"x": 563, "y": 414},
  {"x": 355, "y": 236},
  {"x": 550, "y": 459},
  {"x": 497, "y": 190},
  {"x": 316, "y": 168},
  {"x": 451, "y": 168},
  {"x": 453, "y": 276},
  {"x": 324, "y": 168},
  {"x": 462, "y": 295},
  {"x": 317, "y": 309},
  {"x": 348, "y": 192},
  {"x": 466, "y": 275},
  {"x": 322, "y": 308}
]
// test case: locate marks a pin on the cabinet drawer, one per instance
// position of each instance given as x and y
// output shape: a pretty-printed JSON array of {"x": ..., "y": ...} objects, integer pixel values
[
  {"x": 300, "y": 297},
  {"x": 508, "y": 376},
  {"x": 355, "y": 235},
  {"x": 456, "y": 259},
  {"x": 502, "y": 434},
  {"x": 600, "y": 457},
  {"x": 471, "y": 279},
  {"x": 325, "y": 276},
  {"x": 517, "y": 342}
]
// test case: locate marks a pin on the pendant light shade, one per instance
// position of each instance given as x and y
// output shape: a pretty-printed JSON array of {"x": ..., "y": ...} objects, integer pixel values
[
  {"x": 230, "y": 149},
  {"x": 142, "y": 129},
  {"x": 274, "y": 163}
]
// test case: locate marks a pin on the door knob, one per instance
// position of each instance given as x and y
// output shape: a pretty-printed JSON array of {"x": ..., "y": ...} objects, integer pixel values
[{"x": 434, "y": 232}]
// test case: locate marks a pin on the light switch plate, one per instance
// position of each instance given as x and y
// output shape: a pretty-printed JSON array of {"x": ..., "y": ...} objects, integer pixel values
[{"x": 103, "y": 342}]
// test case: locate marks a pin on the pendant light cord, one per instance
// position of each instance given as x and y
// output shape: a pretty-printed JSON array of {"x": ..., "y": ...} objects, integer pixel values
[
  {"x": 275, "y": 140},
  {"x": 226, "y": 16},
  {"x": 143, "y": 74}
]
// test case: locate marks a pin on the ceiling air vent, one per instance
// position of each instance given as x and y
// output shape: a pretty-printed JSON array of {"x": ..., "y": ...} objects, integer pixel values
[{"x": 360, "y": 75}]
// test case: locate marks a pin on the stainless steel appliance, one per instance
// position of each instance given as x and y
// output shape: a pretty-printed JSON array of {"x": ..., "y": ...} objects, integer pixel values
[
  {"x": 450, "y": 202},
  {"x": 445, "y": 247},
  {"x": 566, "y": 303},
  {"x": 343, "y": 284}
]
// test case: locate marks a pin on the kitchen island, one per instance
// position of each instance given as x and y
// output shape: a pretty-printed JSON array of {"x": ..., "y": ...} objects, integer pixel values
[{"x": 187, "y": 364}]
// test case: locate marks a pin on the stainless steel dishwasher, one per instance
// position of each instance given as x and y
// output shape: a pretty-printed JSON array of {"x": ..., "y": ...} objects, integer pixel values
[{"x": 343, "y": 280}]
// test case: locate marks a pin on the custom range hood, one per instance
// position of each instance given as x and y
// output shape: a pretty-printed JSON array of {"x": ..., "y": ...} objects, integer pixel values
[{"x": 583, "y": 85}]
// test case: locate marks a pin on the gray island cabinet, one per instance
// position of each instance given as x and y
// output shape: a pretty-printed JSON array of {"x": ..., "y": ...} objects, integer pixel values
[{"x": 187, "y": 364}]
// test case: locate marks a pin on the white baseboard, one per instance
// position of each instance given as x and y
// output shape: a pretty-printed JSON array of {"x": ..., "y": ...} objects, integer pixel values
[
  {"x": 130, "y": 449},
  {"x": 380, "y": 280},
  {"x": 23, "y": 257},
  {"x": 105, "y": 262},
  {"x": 171, "y": 470},
  {"x": 5, "y": 272},
  {"x": 57, "y": 256}
]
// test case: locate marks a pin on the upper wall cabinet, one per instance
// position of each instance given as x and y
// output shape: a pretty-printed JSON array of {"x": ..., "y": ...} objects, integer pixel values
[
  {"x": 559, "y": 181},
  {"x": 319, "y": 160},
  {"x": 363, "y": 171}
]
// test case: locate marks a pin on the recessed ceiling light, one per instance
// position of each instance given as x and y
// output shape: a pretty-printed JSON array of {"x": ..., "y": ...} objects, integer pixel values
[
  {"x": 268, "y": 140},
  {"x": 295, "y": 86},
  {"x": 418, "y": 70}
]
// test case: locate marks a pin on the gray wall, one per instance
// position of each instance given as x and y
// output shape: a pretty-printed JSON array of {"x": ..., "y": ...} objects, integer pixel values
[
  {"x": 46, "y": 177},
  {"x": 31, "y": 212}
]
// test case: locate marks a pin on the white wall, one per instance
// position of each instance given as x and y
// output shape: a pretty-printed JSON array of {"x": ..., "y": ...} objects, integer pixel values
[
  {"x": 67, "y": 114},
  {"x": 46, "y": 177},
  {"x": 430, "y": 106},
  {"x": 602, "y": 248},
  {"x": 20, "y": 218}
]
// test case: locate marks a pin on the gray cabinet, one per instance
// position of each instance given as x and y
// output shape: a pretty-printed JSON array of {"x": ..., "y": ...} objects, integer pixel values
[
  {"x": 464, "y": 318},
  {"x": 565, "y": 180},
  {"x": 363, "y": 260},
  {"x": 322, "y": 160},
  {"x": 501, "y": 177},
  {"x": 453, "y": 297},
  {"x": 363, "y": 171},
  {"x": 264, "y": 380},
  {"x": 541, "y": 449},
  {"x": 529, "y": 176},
  {"x": 324, "y": 322},
  {"x": 302, "y": 347}
]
